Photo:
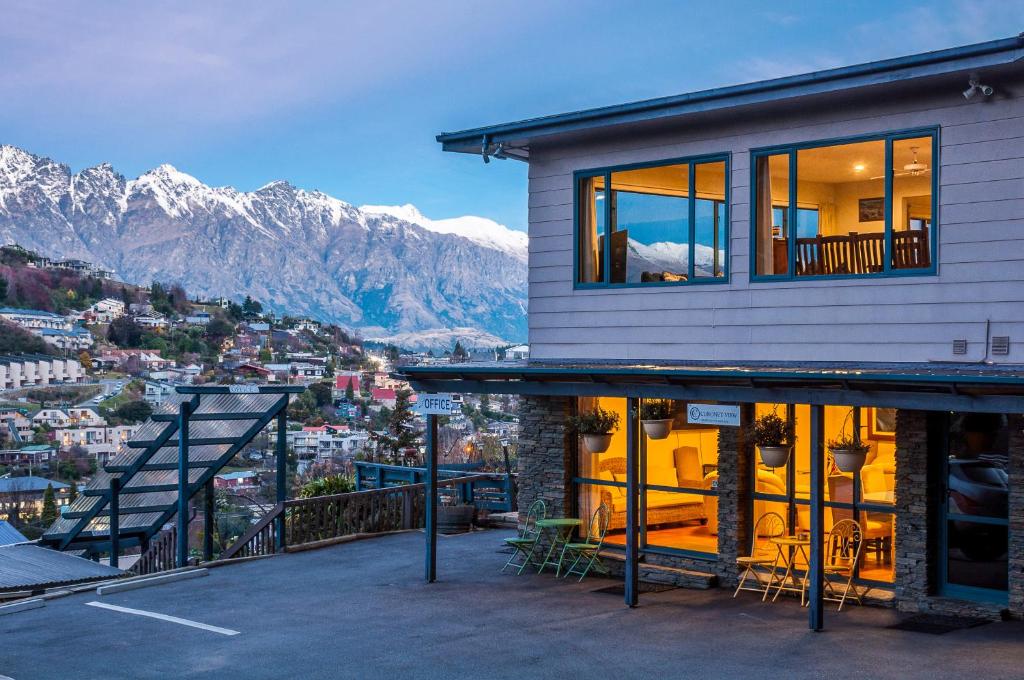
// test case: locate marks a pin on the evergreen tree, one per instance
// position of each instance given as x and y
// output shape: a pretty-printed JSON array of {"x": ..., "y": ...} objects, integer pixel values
[
  {"x": 399, "y": 433},
  {"x": 73, "y": 492},
  {"x": 49, "y": 515},
  {"x": 350, "y": 392},
  {"x": 251, "y": 307},
  {"x": 459, "y": 353},
  {"x": 3, "y": 288}
]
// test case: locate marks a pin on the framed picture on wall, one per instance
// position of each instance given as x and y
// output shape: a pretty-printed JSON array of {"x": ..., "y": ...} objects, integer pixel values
[
  {"x": 871, "y": 210},
  {"x": 882, "y": 424}
]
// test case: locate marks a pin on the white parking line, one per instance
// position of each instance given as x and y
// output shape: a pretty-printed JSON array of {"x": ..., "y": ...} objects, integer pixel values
[{"x": 164, "y": 617}]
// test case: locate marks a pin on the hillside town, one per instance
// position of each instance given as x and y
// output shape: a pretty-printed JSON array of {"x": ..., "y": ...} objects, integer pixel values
[{"x": 86, "y": 359}]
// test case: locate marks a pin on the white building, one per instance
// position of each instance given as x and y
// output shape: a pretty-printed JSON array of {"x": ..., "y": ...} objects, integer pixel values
[
  {"x": 157, "y": 321},
  {"x": 74, "y": 339},
  {"x": 517, "y": 353},
  {"x": 86, "y": 417},
  {"x": 157, "y": 392},
  {"x": 51, "y": 417},
  {"x": 102, "y": 443},
  {"x": 35, "y": 318},
  {"x": 325, "y": 442},
  {"x": 29, "y": 370},
  {"x": 104, "y": 311}
]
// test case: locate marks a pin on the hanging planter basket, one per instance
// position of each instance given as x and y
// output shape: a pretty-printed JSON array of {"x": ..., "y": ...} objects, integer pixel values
[
  {"x": 597, "y": 443},
  {"x": 657, "y": 429},
  {"x": 849, "y": 460},
  {"x": 775, "y": 456}
]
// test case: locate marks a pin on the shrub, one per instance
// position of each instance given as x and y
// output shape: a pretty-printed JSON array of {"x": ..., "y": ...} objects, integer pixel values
[
  {"x": 656, "y": 409},
  {"x": 846, "y": 443},
  {"x": 598, "y": 421},
  {"x": 771, "y": 430},
  {"x": 327, "y": 486}
]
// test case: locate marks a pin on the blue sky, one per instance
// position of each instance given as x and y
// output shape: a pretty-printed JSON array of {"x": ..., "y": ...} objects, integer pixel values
[{"x": 347, "y": 97}]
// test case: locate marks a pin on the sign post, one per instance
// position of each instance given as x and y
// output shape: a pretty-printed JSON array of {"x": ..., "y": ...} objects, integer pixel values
[
  {"x": 430, "y": 521},
  {"x": 431, "y": 406},
  {"x": 435, "y": 404}
]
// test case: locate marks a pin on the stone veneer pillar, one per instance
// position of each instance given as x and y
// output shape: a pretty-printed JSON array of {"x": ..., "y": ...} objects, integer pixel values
[
  {"x": 735, "y": 453},
  {"x": 544, "y": 455},
  {"x": 913, "y": 570},
  {"x": 1016, "y": 555}
]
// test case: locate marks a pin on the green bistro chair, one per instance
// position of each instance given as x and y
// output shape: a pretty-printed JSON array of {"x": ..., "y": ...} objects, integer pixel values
[
  {"x": 526, "y": 542},
  {"x": 585, "y": 556}
]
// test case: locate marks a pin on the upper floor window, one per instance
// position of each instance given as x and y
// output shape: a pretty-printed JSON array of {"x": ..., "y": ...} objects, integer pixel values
[
  {"x": 653, "y": 224},
  {"x": 860, "y": 208}
]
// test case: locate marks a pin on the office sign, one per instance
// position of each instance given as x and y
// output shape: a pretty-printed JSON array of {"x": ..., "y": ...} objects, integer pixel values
[
  {"x": 713, "y": 414},
  {"x": 435, "y": 404},
  {"x": 243, "y": 389}
]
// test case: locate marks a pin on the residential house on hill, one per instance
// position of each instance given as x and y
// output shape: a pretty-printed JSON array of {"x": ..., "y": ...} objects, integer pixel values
[
  {"x": 25, "y": 495},
  {"x": 154, "y": 321},
  {"x": 342, "y": 382}
]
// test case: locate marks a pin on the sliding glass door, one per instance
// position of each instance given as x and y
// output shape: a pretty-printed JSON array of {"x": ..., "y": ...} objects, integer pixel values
[{"x": 975, "y": 515}]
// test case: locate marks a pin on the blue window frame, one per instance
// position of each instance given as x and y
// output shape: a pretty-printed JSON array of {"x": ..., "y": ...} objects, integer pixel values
[
  {"x": 904, "y": 235},
  {"x": 662, "y": 223}
]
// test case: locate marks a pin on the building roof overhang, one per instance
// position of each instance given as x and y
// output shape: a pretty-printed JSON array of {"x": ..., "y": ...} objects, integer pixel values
[
  {"x": 963, "y": 387},
  {"x": 513, "y": 139}
]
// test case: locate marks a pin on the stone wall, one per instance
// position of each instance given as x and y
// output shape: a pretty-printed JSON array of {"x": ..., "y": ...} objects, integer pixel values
[
  {"x": 914, "y": 578},
  {"x": 545, "y": 455},
  {"x": 1016, "y": 472}
]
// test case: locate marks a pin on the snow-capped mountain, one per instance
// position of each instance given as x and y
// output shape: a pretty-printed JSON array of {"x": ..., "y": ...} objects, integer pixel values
[
  {"x": 664, "y": 256},
  {"x": 481, "y": 230},
  {"x": 440, "y": 339},
  {"x": 298, "y": 251}
]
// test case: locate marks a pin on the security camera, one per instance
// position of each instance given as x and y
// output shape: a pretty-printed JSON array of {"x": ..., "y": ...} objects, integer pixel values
[{"x": 975, "y": 87}]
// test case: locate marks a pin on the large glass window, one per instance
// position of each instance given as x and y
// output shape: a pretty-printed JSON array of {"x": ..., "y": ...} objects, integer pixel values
[
  {"x": 860, "y": 208},
  {"x": 867, "y": 497},
  {"x": 653, "y": 225},
  {"x": 977, "y": 506},
  {"x": 678, "y": 477}
]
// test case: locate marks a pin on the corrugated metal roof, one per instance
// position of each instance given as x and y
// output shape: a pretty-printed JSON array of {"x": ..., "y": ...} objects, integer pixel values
[
  {"x": 13, "y": 484},
  {"x": 32, "y": 567},
  {"x": 9, "y": 534}
]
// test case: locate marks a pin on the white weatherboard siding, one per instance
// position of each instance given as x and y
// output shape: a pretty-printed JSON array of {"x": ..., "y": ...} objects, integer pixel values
[{"x": 905, "y": 319}]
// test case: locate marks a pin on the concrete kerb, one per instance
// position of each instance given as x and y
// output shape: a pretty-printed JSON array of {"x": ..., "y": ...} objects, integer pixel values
[{"x": 147, "y": 581}]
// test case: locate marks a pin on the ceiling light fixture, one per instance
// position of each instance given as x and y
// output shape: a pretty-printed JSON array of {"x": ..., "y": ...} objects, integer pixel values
[{"x": 858, "y": 167}]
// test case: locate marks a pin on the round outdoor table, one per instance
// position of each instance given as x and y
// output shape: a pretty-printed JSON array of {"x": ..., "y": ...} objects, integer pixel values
[
  {"x": 793, "y": 545},
  {"x": 559, "y": 529}
]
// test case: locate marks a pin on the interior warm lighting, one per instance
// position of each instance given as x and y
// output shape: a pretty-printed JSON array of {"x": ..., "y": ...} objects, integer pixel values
[{"x": 859, "y": 167}]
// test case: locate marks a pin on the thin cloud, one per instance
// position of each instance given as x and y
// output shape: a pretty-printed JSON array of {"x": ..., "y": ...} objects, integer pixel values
[{"x": 217, "y": 63}]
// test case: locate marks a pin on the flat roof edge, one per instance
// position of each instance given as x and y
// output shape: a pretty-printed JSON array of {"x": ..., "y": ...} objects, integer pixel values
[{"x": 992, "y": 53}]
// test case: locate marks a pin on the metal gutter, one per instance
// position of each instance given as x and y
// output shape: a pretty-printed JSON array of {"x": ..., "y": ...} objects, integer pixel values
[
  {"x": 981, "y": 55},
  {"x": 925, "y": 375}
]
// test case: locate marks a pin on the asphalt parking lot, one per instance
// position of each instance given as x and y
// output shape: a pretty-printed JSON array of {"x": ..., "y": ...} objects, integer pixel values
[{"x": 362, "y": 610}]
